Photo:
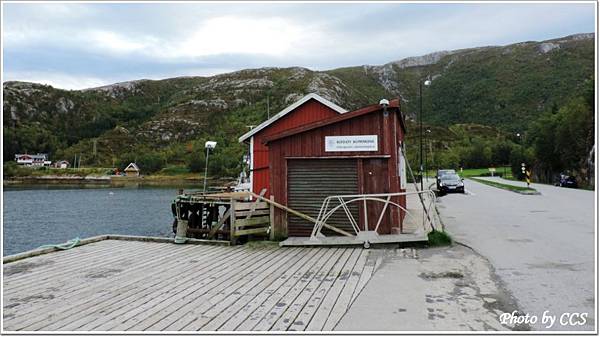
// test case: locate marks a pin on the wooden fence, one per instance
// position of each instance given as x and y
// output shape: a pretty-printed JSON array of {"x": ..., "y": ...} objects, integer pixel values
[{"x": 222, "y": 216}]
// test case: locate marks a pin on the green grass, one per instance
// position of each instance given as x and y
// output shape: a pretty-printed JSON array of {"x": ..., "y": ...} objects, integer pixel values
[
  {"x": 173, "y": 170},
  {"x": 504, "y": 186},
  {"x": 12, "y": 170},
  {"x": 478, "y": 172},
  {"x": 439, "y": 238},
  {"x": 504, "y": 171}
]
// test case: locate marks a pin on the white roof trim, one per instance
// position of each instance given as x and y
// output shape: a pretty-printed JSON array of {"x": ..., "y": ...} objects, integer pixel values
[
  {"x": 133, "y": 166},
  {"x": 285, "y": 111}
]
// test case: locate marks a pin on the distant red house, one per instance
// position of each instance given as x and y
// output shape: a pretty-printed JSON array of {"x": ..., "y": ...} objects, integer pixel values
[{"x": 311, "y": 108}]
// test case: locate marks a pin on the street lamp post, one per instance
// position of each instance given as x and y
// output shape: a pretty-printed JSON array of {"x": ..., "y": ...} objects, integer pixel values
[
  {"x": 209, "y": 145},
  {"x": 518, "y": 134},
  {"x": 421, "y": 133},
  {"x": 428, "y": 132},
  {"x": 427, "y": 83}
]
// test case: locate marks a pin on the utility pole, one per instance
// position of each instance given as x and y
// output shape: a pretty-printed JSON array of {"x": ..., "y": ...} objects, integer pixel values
[
  {"x": 268, "y": 108},
  {"x": 431, "y": 152},
  {"x": 425, "y": 166},
  {"x": 427, "y": 83},
  {"x": 206, "y": 171},
  {"x": 430, "y": 165},
  {"x": 209, "y": 145},
  {"x": 421, "y": 132}
]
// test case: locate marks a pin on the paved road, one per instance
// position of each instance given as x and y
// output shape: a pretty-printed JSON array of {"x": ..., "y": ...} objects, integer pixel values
[{"x": 542, "y": 246}]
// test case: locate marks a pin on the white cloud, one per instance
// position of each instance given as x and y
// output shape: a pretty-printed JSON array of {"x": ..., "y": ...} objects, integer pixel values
[
  {"x": 113, "y": 42},
  {"x": 238, "y": 35},
  {"x": 216, "y": 36},
  {"x": 106, "y": 42}
]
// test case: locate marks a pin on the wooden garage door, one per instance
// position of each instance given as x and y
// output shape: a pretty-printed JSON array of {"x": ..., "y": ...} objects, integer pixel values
[{"x": 310, "y": 181}]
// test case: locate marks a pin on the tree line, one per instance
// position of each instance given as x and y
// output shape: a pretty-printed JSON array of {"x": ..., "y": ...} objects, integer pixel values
[{"x": 559, "y": 140}]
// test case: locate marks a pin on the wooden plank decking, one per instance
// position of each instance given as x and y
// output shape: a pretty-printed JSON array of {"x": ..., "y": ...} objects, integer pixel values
[{"x": 116, "y": 285}]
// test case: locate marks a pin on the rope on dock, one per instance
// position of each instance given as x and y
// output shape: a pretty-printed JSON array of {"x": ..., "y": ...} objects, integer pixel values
[
  {"x": 180, "y": 239},
  {"x": 63, "y": 246}
]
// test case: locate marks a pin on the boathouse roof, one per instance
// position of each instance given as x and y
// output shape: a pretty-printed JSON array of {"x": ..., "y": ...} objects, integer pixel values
[
  {"x": 132, "y": 167},
  {"x": 289, "y": 109}
]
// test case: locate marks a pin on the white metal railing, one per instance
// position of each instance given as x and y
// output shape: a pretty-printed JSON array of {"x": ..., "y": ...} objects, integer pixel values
[{"x": 327, "y": 210}]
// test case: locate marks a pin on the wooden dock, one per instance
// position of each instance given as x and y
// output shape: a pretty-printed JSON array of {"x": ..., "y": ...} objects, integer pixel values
[{"x": 120, "y": 285}]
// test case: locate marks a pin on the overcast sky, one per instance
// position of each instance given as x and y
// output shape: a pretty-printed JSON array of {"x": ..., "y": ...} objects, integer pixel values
[{"x": 78, "y": 45}]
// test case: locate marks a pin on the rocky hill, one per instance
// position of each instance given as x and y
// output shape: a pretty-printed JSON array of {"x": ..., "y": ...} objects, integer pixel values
[{"x": 501, "y": 86}]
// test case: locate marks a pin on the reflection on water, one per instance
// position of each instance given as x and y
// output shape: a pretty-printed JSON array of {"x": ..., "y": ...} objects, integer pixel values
[{"x": 49, "y": 214}]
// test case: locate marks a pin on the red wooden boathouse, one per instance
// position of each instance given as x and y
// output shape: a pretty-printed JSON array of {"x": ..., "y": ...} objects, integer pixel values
[
  {"x": 310, "y": 108},
  {"x": 357, "y": 152}
]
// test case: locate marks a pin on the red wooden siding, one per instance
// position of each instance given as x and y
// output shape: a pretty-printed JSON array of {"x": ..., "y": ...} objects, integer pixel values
[
  {"x": 378, "y": 171},
  {"x": 309, "y": 112}
]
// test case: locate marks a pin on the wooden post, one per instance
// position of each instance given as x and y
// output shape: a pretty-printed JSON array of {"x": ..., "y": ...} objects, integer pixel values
[
  {"x": 182, "y": 226},
  {"x": 203, "y": 216},
  {"x": 272, "y": 219},
  {"x": 232, "y": 238},
  {"x": 362, "y": 211}
]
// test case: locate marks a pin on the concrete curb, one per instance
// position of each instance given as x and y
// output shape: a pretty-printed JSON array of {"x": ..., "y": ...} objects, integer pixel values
[{"x": 536, "y": 192}]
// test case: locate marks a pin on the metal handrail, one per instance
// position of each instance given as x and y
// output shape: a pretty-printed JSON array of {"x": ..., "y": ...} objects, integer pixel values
[{"x": 325, "y": 213}]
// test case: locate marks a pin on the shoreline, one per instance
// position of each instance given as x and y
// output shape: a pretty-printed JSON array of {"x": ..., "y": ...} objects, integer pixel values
[{"x": 108, "y": 181}]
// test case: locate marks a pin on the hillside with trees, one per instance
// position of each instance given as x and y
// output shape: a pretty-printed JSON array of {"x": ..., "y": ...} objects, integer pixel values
[{"x": 478, "y": 101}]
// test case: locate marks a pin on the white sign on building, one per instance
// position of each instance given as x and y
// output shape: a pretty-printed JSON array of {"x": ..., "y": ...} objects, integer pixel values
[{"x": 351, "y": 143}]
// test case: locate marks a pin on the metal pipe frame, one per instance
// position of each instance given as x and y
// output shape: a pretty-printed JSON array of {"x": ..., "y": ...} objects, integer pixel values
[{"x": 325, "y": 212}]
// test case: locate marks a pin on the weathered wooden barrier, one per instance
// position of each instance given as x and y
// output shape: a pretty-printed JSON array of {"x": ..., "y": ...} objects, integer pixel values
[{"x": 224, "y": 216}]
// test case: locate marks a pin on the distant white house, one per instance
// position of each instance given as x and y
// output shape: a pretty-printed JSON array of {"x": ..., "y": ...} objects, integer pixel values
[
  {"x": 132, "y": 170},
  {"x": 40, "y": 159},
  {"x": 62, "y": 164}
]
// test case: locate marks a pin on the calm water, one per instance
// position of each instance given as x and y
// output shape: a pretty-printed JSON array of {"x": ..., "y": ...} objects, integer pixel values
[{"x": 37, "y": 216}]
